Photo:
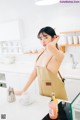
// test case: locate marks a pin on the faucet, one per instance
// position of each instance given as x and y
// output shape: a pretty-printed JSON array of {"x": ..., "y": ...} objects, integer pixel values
[{"x": 74, "y": 63}]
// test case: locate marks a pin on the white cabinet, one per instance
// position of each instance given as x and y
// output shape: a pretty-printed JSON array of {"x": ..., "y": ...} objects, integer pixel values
[
  {"x": 3, "y": 95},
  {"x": 3, "y": 91},
  {"x": 72, "y": 88}
]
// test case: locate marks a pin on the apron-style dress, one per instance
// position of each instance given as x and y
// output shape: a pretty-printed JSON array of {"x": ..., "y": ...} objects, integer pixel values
[{"x": 48, "y": 81}]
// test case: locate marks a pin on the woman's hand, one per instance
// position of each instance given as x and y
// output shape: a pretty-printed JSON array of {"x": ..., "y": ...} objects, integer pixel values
[
  {"x": 55, "y": 40},
  {"x": 18, "y": 92},
  {"x": 52, "y": 44}
]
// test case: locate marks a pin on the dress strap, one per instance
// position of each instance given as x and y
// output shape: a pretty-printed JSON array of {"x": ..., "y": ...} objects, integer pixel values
[
  {"x": 61, "y": 76},
  {"x": 39, "y": 55}
]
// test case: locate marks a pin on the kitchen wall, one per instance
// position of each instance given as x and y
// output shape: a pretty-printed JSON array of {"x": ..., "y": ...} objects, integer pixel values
[{"x": 62, "y": 17}]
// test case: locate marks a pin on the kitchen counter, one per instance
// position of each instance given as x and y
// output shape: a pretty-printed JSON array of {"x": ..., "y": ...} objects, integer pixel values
[
  {"x": 27, "y": 67},
  {"x": 67, "y": 71},
  {"x": 71, "y": 74},
  {"x": 17, "y": 67},
  {"x": 25, "y": 64},
  {"x": 22, "y": 64},
  {"x": 16, "y": 111}
]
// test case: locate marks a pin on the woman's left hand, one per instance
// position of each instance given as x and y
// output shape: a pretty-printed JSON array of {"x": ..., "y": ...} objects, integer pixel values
[
  {"x": 55, "y": 40},
  {"x": 17, "y": 92},
  {"x": 53, "y": 43}
]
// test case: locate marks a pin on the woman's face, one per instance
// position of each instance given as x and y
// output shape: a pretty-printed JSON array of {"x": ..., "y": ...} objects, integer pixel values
[{"x": 45, "y": 39}]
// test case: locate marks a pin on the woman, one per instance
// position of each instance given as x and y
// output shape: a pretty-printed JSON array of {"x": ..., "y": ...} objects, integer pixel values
[{"x": 47, "y": 66}]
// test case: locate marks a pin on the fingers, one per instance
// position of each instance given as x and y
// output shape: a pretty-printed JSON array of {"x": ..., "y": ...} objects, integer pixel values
[
  {"x": 57, "y": 36},
  {"x": 17, "y": 92},
  {"x": 56, "y": 39}
]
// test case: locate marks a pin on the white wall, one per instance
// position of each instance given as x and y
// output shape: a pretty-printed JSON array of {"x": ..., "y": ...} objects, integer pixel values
[
  {"x": 59, "y": 16},
  {"x": 62, "y": 17},
  {"x": 9, "y": 31}
]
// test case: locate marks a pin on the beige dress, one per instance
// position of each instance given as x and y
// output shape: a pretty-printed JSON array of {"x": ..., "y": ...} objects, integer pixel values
[{"x": 47, "y": 65}]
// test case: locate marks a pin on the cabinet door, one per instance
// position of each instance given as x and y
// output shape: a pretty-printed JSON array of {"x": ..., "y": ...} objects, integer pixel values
[
  {"x": 18, "y": 80},
  {"x": 72, "y": 88}
]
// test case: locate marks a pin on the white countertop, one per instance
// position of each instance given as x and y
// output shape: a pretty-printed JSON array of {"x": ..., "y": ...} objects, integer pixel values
[
  {"x": 23, "y": 64},
  {"x": 27, "y": 67},
  {"x": 16, "y": 111},
  {"x": 71, "y": 73},
  {"x": 68, "y": 72}
]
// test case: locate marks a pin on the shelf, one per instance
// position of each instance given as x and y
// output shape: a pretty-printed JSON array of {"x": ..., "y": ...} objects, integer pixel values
[
  {"x": 62, "y": 47},
  {"x": 31, "y": 53},
  {"x": 67, "y": 32}
]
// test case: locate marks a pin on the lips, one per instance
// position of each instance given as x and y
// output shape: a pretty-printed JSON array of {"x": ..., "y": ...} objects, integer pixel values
[{"x": 44, "y": 44}]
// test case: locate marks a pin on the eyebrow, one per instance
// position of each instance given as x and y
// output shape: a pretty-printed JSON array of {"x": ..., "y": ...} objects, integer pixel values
[{"x": 43, "y": 36}]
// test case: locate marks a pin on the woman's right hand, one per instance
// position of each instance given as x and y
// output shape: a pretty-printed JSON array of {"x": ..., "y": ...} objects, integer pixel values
[{"x": 17, "y": 92}]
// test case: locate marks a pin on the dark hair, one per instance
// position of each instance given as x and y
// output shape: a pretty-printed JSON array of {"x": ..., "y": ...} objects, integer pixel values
[{"x": 49, "y": 30}]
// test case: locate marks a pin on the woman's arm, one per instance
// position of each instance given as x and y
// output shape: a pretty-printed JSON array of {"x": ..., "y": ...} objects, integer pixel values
[
  {"x": 56, "y": 59},
  {"x": 52, "y": 47},
  {"x": 31, "y": 79},
  {"x": 57, "y": 53}
]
